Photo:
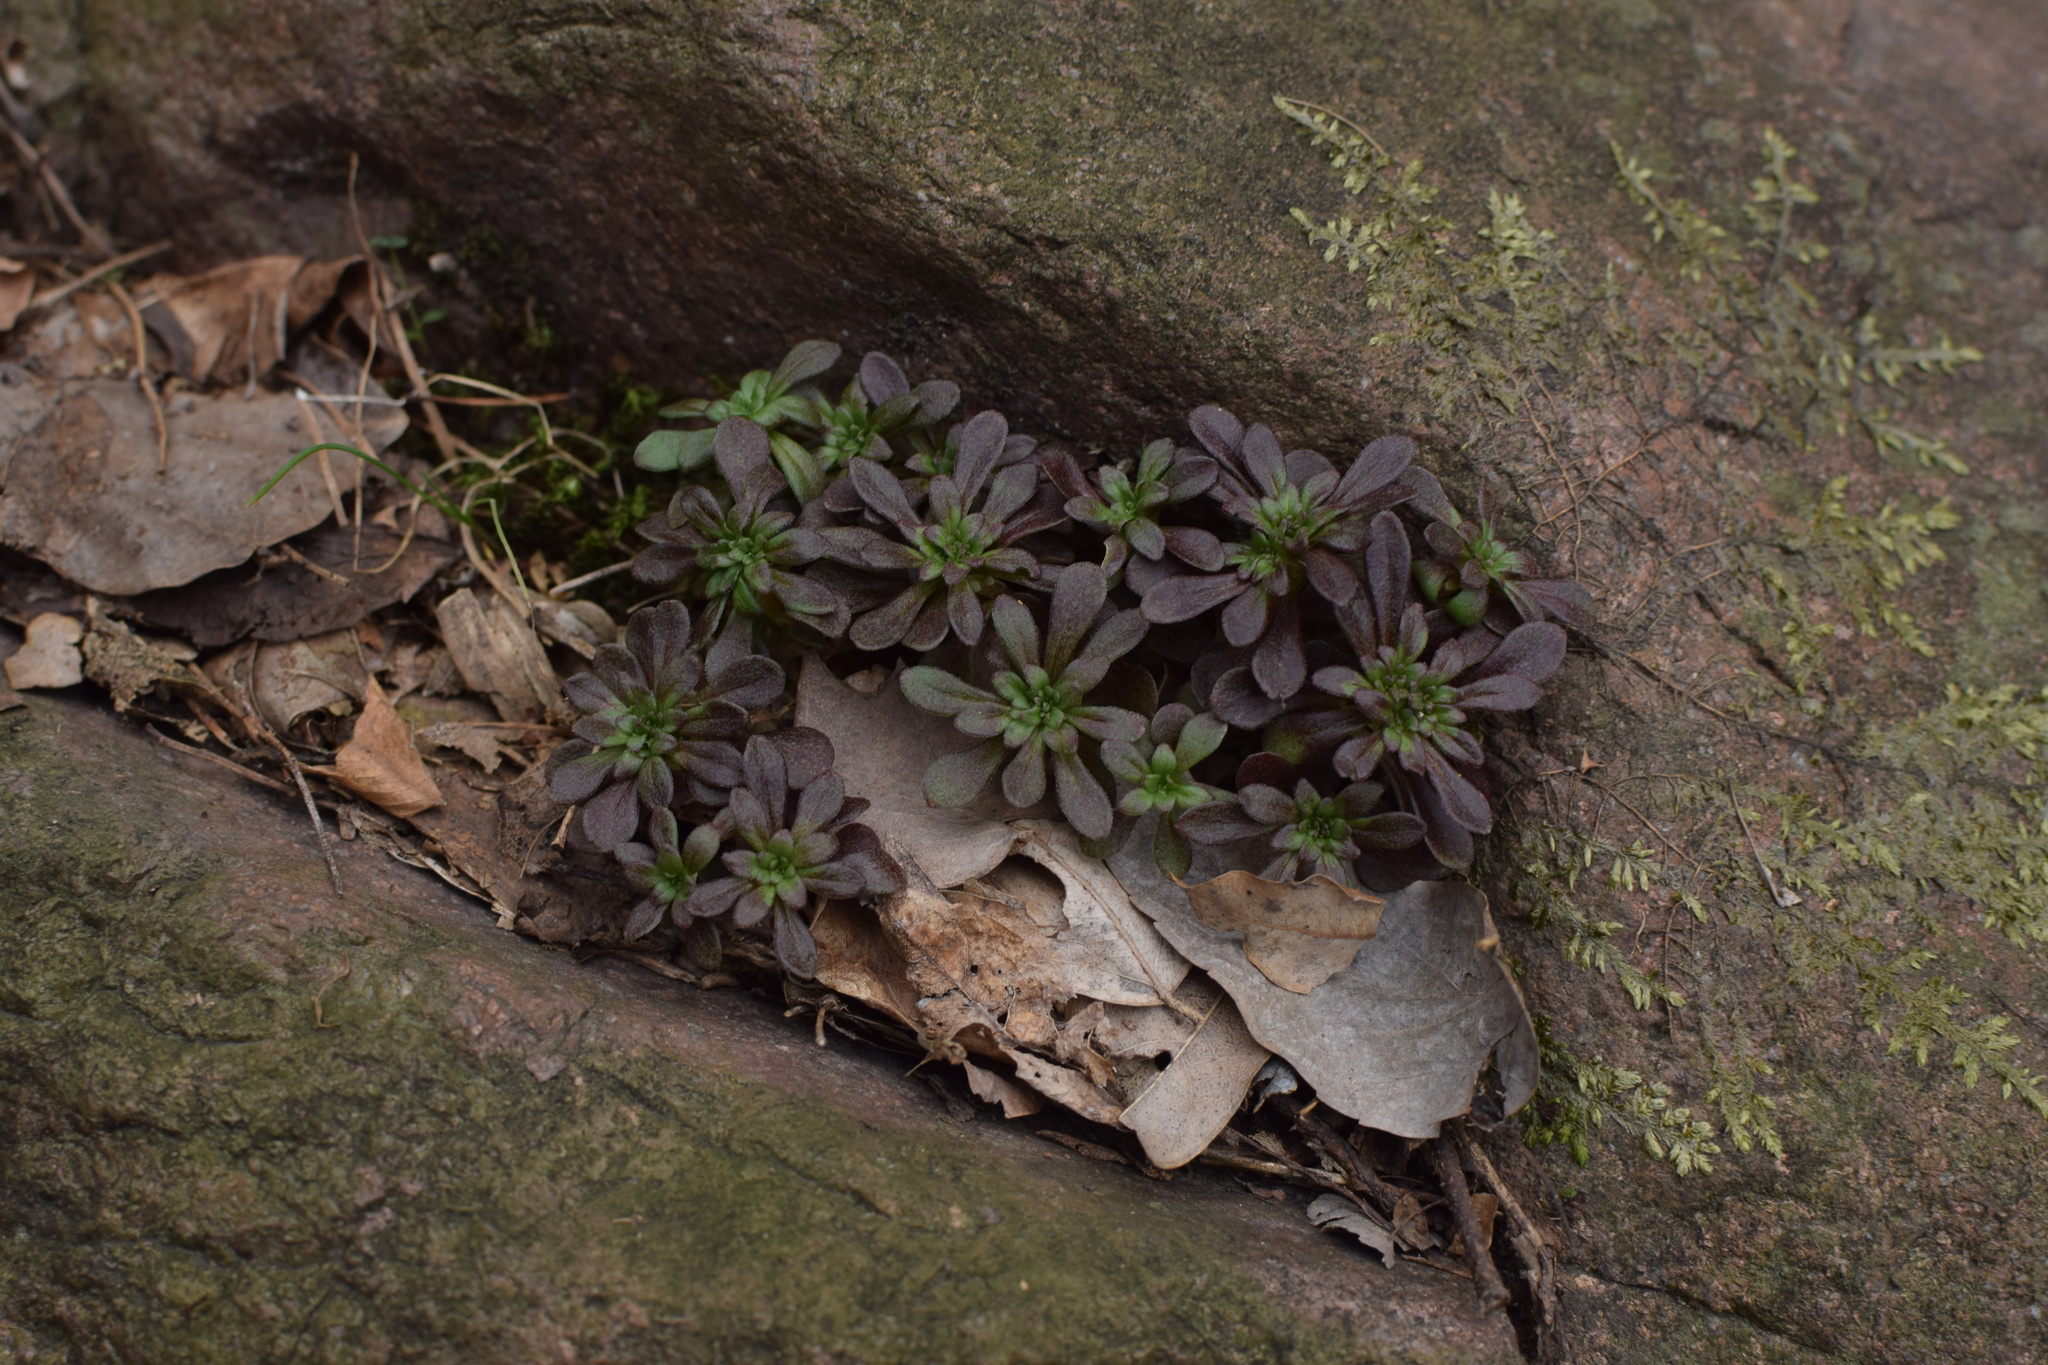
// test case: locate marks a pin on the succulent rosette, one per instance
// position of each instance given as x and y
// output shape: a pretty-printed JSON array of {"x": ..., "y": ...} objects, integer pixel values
[
  {"x": 1036, "y": 711},
  {"x": 654, "y": 726},
  {"x": 1409, "y": 701},
  {"x": 1473, "y": 570},
  {"x": 959, "y": 548},
  {"x": 877, "y": 404},
  {"x": 1302, "y": 519},
  {"x": 666, "y": 870},
  {"x": 1307, "y": 831},
  {"x": 798, "y": 838},
  {"x": 736, "y": 554},
  {"x": 1158, "y": 776},
  {"x": 1123, "y": 502}
]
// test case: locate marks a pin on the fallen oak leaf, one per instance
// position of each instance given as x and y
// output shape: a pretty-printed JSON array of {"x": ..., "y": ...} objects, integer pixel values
[
  {"x": 379, "y": 762},
  {"x": 994, "y": 1087},
  {"x": 1299, "y": 934}
]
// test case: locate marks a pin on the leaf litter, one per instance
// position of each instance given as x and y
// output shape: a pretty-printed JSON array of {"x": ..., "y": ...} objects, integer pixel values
[{"x": 1057, "y": 974}]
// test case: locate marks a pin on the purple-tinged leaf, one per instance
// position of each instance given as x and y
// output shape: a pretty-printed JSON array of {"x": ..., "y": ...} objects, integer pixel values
[
  {"x": 881, "y": 379},
  {"x": 1238, "y": 700},
  {"x": 1196, "y": 548},
  {"x": 939, "y": 692},
  {"x": 881, "y": 490},
  {"x": 806, "y": 360},
  {"x": 958, "y": 778},
  {"x": 1532, "y": 650},
  {"x": 888, "y": 623},
  {"x": 1219, "y": 822},
  {"x": 1279, "y": 664},
  {"x": 1244, "y": 620},
  {"x": 1017, "y": 631},
  {"x": 1261, "y": 458},
  {"x": 929, "y": 630},
  {"x": 1378, "y": 465},
  {"x": 656, "y": 785},
  {"x": 1509, "y": 692},
  {"x": 1075, "y": 602},
  {"x": 574, "y": 772},
  {"x": 1010, "y": 490},
  {"x": 1330, "y": 576},
  {"x": 1387, "y": 561},
  {"x": 1024, "y": 778},
  {"x": 794, "y": 946},
  {"x": 1219, "y": 432},
  {"x": 612, "y": 816},
  {"x": 742, "y": 451},
  {"x": 981, "y": 447},
  {"x": 714, "y": 898},
  {"x": 1081, "y": 798}
]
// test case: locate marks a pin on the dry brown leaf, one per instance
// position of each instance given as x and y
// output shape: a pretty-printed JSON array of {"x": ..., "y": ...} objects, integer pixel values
[
  {"x": 379, "y": 763},
  {"x": 1398, "y": 1039},
  {"x": 1336, "y": 1212},
  {"x": 82, "y": 491},
  {"x": 323, "y": 673},
  {"x": 1141, "y": 1032},
  {"x": 858, "y": 960},
  {"x": 233, "y": 323},
  {"x": 499, "y": 656},
  {"x": 478, "y": 743},
  {"x": 1299, "y": 934},
  {"x": 17, "y": 286},
  {"x": 49, "y": 655},
  {"x": 1411, "y": 1225},
  {"x": 1065, "y": 1087},
  {"x": 881, "y": 746},
  {"x": 1485, "y": 1208},
  {"x": 1018, "y": 1101},
  {"x": 1180, "y": 1113},
  {"x": 287, "y": 600}
]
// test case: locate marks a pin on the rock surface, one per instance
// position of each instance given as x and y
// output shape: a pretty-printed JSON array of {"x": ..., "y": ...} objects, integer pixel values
[
  {"x": 242, "y": 1119},
  {"x": 1080, "y": 211}
]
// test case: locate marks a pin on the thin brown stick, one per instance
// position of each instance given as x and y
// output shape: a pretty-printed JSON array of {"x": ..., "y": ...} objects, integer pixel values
[
  {"x": 319, "y": 570},
  {"x": 93, "y": 276},
  {"x": 217, "y": 760},
  {"x": 444, "y": 439},
  {"x": 312, "y": 809},
  {"x": 34, "y": 161},
  {"x": 1534, "y": 1251},
  {"x": 1492, "y": 1293},
  {"x": 1337, "y": 1149},
  {"x": 156, "y": 404}
]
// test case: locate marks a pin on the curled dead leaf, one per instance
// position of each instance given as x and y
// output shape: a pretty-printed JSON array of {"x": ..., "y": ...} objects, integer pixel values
[
  {"x": 498, "y": 655},
  {"x": 1180, "y": 1113},
  {"x": 993, "y": 1087},
  {"x": 379, "y": 762},
  {"x": 1335, "y": 1212},
  {"x": 1299, "y": 934}
]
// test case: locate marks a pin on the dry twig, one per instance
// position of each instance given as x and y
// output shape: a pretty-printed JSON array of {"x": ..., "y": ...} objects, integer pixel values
[
  {"x": 1443, "y": 1153},
  {"x": 156, "y": 402}
]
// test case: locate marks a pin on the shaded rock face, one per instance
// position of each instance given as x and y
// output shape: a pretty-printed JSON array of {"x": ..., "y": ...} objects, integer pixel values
[
  {"x": 1081, "y": 213},
  {"x": 241, "y": 1119}
]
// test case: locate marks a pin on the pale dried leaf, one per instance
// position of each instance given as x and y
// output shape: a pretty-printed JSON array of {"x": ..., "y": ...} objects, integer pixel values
[
  {"x": 498, "y": 655},
  {"x": 234, "y": 322},
  {"x": 1299, "y": 934},
  {"x": 1065, "y": 1087},
  {"x": 1192, "y": 1100},
  {"x": 1143, "y": 1031},
  {"x": 379, "y": 762},
  {"x": 1398, "y": 1039},
  {"x": 882, "y": 745},
  {"x": 994, "y": 1087},
  {"x": 49, "y": 655},
  {"x": 1411, "y": 1225},
  {"x": 474, "y": 740},
  {"x": 82, "y": 492},
  {"x": 1335, "y": 1212}
]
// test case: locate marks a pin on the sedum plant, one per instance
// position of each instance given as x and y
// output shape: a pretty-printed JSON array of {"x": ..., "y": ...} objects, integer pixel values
[
  {"x": 1123, "y": 503},
  {"x": 1158, "y": 773},
  {"x": 1302, "y": 518},
  {"x": 1036, "y": 712},
  {"x": 735, "y": 554},
  {"x": 798, "y": 838},
  {"x": 878, "y": 404},
  {"x": 1307, "y": 831},
  {"x": 1473, "y": 569},
  {"x": 667, "y": 870},
  {"x": 1408, "y": 701},
  {"x": 1306, "y": 648},
  {"x": 959, "y": 549},
  {"x": 653, "y": 725}
]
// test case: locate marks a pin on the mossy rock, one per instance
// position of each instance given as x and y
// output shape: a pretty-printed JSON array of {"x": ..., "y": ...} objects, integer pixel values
[
  {"x": 247, "y": 1120},
  {"x": 1082, "y": 214}
]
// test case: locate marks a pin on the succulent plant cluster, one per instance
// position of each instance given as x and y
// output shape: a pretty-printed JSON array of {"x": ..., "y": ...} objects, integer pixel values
[{"x": 1235, "y": 642}]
